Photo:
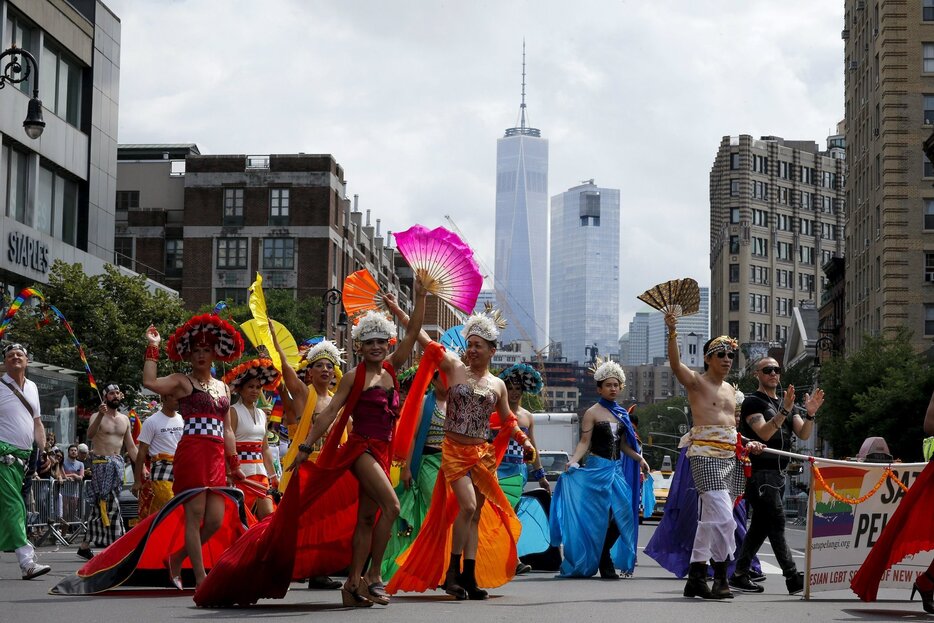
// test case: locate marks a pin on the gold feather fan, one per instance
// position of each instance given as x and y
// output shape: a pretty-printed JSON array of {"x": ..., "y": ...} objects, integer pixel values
[{"x": 680, "y": 297}]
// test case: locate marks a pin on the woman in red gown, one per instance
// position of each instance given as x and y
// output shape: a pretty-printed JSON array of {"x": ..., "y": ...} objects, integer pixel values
[
  {"x": 207, "y": 448},
  {"x": 338, "y": 511}
]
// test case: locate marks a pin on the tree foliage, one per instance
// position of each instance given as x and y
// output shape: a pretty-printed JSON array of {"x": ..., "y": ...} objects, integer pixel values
[
  {"x": 109, "y": 314},
  {"x": 882, "y": 390}
]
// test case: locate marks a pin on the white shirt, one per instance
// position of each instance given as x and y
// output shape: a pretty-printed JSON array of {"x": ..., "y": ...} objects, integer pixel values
[
  {"x": 17, "y": 425},
  {"x": 162, "y": 433}
]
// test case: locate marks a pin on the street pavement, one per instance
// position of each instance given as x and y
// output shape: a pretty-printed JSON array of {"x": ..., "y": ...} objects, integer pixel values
[{"x": 651, "y": 595}]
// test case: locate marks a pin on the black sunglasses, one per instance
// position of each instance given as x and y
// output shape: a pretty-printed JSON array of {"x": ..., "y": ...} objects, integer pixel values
[
  {"x": 771, "y": 370},
  {"x": 721, "y": 354}
]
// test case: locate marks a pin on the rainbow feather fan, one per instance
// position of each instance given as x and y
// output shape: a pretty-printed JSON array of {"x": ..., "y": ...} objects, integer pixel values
[
  {"x": 680, "y": 297},
  {"x": 444, "y": 263},
  {"x": 360, "y": 294}
]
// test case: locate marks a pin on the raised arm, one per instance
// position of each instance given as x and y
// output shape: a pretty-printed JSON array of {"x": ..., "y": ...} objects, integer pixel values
[
  {"x": 294, "y": 384},
  {"x": 684, "y": 374},
  {"x": 403, "y": 318},
  {"x": 412, "y": 329},
  {"x": 803, "y": 427},
  {"x": 172, "y": 384}
]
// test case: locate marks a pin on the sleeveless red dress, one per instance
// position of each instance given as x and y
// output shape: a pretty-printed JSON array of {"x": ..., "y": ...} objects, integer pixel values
[{"x": 199, "y": 458}]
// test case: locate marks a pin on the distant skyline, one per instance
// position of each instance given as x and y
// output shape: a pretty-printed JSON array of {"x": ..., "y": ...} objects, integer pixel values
[{"x": 411, "y": 101}]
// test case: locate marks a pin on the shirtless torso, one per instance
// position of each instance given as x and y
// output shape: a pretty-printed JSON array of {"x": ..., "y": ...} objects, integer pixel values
[{"x": 110, "y": 432}]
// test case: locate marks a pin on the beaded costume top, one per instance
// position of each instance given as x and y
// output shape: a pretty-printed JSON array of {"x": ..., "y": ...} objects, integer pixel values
[{"x": 469, "y": 410}]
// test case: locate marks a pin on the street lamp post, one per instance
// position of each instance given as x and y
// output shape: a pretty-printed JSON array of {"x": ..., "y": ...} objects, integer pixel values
[
  {"x": 18, "y": 69},
  {"x": 331, "y": 297},
  {"x": 686, "y": 412}
]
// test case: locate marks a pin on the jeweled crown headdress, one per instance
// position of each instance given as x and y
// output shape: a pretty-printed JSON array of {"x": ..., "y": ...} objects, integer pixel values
[
  {"x": 487, "y": 324},
  {"x": 603, "y": 370},
  {"x": 373, "y": 325}
]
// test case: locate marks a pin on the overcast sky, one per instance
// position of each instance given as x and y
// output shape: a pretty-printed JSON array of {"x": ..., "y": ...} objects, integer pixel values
[{"x": 410, "y": 97}]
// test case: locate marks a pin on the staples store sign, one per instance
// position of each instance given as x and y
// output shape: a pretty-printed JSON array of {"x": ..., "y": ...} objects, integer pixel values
[{"x": 27, "y": 252}]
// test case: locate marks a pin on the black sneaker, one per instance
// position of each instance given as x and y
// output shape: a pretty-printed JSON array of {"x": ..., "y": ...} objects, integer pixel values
[
  {"x": 522, "y": 568},
  {"x": 757, "y": 577},
  {"x": 795, "y": 583},
  {"x": 86, "y": 553},
  {"x": 742, "y": 583}
]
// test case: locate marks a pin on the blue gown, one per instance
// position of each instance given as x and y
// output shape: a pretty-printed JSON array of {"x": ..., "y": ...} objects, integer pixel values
[{"x": 582, "y": 504}]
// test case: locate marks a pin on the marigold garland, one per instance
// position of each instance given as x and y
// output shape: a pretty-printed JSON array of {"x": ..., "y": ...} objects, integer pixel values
[{"x": 887, "y": 473}]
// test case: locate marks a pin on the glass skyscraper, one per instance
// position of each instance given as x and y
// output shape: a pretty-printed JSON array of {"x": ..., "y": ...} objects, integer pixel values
[
  {"x": 521, "y": 270},
  {"x": 585, "y": 236}
]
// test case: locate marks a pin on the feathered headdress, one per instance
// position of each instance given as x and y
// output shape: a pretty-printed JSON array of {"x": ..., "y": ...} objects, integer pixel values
[
  {"x": 325, "y": 349},
  {"x": 523, "y": 376},
  {"x": 603, "y": 370},
  {"x": 208, "y": 329},
  {"x": 260, "y": 368},
  {"x": 486, "y": 324},
  {"x": 373, "y": 325}
]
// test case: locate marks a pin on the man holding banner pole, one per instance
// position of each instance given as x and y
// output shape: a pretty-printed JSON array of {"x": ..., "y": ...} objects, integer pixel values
[{"x": 768, "y": 419}]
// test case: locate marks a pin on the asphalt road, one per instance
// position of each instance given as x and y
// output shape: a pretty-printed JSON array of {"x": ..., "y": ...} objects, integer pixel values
[{"x": 651, "y": 595}]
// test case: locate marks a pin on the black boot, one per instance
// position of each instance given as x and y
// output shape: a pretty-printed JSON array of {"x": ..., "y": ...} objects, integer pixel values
[
  {"x": 451, "y": 586},
  {"x": 468, "y": 579},
  {"x": 720, "y": 588},
  {"x": 607, "y": 567},
  {"x": 697, "y": 581}
]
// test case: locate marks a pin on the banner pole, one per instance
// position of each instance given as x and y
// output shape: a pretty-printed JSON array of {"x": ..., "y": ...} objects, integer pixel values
[{"x": 807, "y": 549}]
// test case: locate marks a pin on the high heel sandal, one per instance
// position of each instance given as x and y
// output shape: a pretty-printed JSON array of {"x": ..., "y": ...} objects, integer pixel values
[
  {"x": 352, "y": 598},
  {"x": 376, "y": 592},
  {"x": 174, "y": 580},
  {"x": 927, "y": 597}
]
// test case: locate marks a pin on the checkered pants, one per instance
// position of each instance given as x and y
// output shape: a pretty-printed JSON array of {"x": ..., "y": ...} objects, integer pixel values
[
  {"x": 105, "y": 527},
  {"x": 714, "y": 474},
  {"x": 161, "y": 470}
]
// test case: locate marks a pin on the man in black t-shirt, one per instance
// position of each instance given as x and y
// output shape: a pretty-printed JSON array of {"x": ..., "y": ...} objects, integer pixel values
[{"x": 766, "y": 418}]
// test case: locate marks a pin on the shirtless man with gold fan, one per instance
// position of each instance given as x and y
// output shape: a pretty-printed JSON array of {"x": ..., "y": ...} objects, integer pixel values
[{"x": 716, "y": 458}]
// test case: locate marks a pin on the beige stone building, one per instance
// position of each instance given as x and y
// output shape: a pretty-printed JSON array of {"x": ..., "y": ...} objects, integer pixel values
[
  {"x": 889, "y": 65},
  {"x": 777, "y": 212}
]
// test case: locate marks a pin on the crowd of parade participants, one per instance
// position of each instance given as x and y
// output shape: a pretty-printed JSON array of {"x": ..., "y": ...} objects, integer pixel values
[{"x": 411, "y": 480}]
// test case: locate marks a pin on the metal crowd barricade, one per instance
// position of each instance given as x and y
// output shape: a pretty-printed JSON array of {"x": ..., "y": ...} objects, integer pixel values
[
  {"x": 55, "y": 511},
  {"x": 796, "y": 510}
]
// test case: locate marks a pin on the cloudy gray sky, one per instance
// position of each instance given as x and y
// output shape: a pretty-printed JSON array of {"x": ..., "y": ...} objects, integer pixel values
[{"x": 410, "y": 97}]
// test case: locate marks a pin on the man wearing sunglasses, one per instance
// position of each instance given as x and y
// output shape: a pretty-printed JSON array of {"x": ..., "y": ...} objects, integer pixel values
[
  {"x": 771, "y": 420},
  {"x": 715, "y": 467}
]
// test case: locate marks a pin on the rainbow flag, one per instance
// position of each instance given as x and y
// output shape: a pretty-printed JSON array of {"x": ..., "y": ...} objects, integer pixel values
[{"x": 832, "y": 517}]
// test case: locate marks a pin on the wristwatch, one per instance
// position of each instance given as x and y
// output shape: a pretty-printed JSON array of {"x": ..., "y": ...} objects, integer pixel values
[{"x": 809, "y": 417}]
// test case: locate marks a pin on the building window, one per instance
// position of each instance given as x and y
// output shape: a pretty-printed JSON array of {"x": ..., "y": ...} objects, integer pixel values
[
  {"x": 928, "y": 109},
  {"x": 805, "y": 227},
  {"x": 734, "y": 273},
  {"x": 734, "y": 161},
  {"x": 61, "y": 84},
  {"x": 805, "y": 255},
  {"x": 590, "y": 221},
  {"x": 783, "y": 195},
  {"x": 760, "y": 218},
  {"x": 279, "y": 206},
  {"x": 783, "y": 222},
  {"x": 127, "y": 199},
  {"x": 174, "y": 251},
  {"x": 231, "y": 252},
  {"x": 805, "y": 282},
  {"x": 760, "y": 164},
  {"x": 57, "y": 206},
  {"x": 279, "y": 253},
  {"x": 927, "y": 57},
  {"x": 17, "y": 182},
  {"x": 759, "y": 274},
  {"x": 734, "y": 215},
  {"x": 760, "y": 246},
  {"x": 805, "y": 200},
  {"x": 23, "y": 35},
  {"x": 781, "y": 333},
  {"x": 928, "y": 212},
  {"x": 734, "y": 188},
  {"x": 927, "y": 10},
  {"x": 929, "y": 267},
  {"x": 236, "y": 296},
  {"x": 784, "y": 170},
  {"x": 759, "y": 303},
  {"x": 760, "y": 190},
  {"x": 123, "y": 252},
  {"x": 734, "y": 328},
  {"x": 929, "y": 319},
  {"x": 783, "y": 251},
  {"x": 734, "y": 301},
  {"x": 928, "y": 170},
  {"x": 233, "y": 206},
  {"x": 734, "y": 244}
]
